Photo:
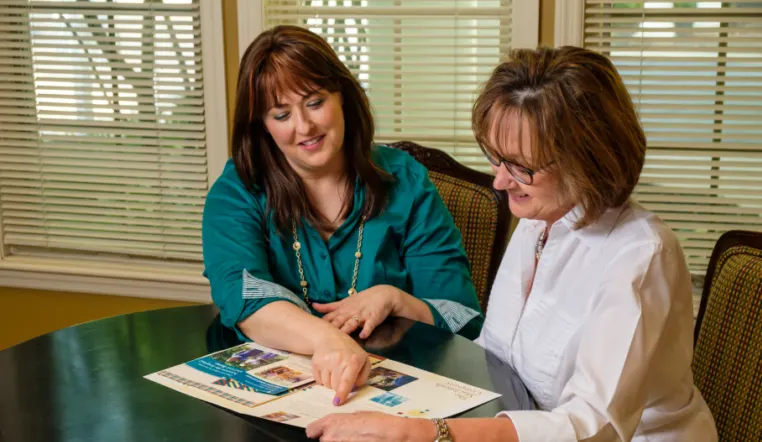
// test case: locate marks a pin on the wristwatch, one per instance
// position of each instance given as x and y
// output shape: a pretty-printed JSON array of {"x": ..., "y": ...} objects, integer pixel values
[{"x": 443, "y": 433}]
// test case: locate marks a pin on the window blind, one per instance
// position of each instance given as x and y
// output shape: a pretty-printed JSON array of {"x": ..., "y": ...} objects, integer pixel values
[
  {"x": 694, "y": 70},
  {"x": 421, "y": 61},
  {"x": 103, "y": 146}
]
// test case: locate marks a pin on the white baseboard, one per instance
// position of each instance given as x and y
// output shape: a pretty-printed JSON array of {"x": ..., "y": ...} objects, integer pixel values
[{"x": 174, "y": 291}]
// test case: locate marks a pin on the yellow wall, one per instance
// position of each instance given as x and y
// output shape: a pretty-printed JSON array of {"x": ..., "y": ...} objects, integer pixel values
[
  {"x": 25, "y": 314},
  {"x": 230, "y": 37},
  {"x": 547, "y": 25}
]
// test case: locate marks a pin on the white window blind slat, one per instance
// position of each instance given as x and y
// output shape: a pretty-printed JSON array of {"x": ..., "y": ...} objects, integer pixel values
[
  {"x": 438, "y": 139},
  {"x": 62, "y": 106},
  {"x": 51, "y": 54},
  {"x": 93, "y": 203},
  {"x": 693, "y": 226},
  {"x": 94, "y": 128},
  {"x": 127, "y": 176},
  {"x": 137, "y": 191},
  {"x": 154, "y": 144},
  {"x": 433, "y": 32},
  {"x": 102, "y": 128},
  {"x": 175, "y": 237},
  {"x": 55, "y": 212},
  {"x": 54, "y": 112},
  {"x": 157, "y": 164},
  {"x": 56, "y": 121},
  {"x": 156, "y": 41},
  {"x": 172, "y": 237},
  {"x": 103, "y": 156},
  {"x": 146, "y": 185},
  {"x": 453, "y": 102},
  {"x": 83, "y": 93},
  {"x": 669, "y": 192},
  {"x": 459, "y": 86},
  {"x": 655, "y": 199},
  {"x": 49, "y": 192},
  {"x": 121, "y": 148},
  {"x": 105, "y": 246},
  {"x": 104, "y": 67},
  {"x": 691, "y": 98},
  {"x": 104, "y": 87},
  {"x": 72, "y": 72},
  {"x": 703, "y": 13},
  {"x": 389, "y": 107},
  {"x": 421, "y": 61},
  {"x": 140, "y": 233},
  {"x": 90, "y": 7},
  {"x": 659, "y": 4},
  {"x": 694, "y": 180},
  {"x": 694, "y": 71},
  {"x": 419, "y": 69},
  {"x": 398, "y": 10},
  {"x": 699, "y": 116},
  {"x": 714, "y": 208},
  {"x": 38, "y": 218}
]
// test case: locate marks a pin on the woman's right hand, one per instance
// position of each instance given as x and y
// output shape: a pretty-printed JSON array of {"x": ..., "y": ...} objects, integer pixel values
[{"x": 340, "y": 364}]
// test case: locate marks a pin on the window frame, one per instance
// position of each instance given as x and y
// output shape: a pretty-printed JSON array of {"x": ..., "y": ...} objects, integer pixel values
[{"x": 89, "y": 274}]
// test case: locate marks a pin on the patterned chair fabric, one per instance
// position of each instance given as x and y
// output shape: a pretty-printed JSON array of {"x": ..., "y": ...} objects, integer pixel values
[
  {"x": 479, "y": 211},
  {"x": 727, "y": 361}
]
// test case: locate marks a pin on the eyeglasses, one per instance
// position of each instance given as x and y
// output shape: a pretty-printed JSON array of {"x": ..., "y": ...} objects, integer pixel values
[{"x": 522, "y": 174}]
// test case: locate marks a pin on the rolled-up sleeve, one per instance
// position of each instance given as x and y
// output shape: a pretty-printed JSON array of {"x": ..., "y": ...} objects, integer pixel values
[
  {"x": 605, "y": 397},
  {"x": 434, "y": 257},
  {"x": 235, "y": 254}
]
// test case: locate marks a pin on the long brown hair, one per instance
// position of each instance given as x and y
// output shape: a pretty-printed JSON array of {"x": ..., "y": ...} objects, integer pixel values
[
  {"x": 581, "y": 118},
  {"x": 293, "y": 59}
]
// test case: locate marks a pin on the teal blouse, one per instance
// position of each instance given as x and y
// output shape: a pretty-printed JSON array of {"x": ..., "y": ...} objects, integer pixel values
[{"x": 412, "y": 245}]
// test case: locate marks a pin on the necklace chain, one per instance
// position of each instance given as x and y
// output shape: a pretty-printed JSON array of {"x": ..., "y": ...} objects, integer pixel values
[
  {"x": 297, "y": 246},
  {"x": 540, "y": 245}
]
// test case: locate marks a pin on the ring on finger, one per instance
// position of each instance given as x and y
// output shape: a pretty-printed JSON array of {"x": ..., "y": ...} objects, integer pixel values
[{"x": 356, "y": 318}]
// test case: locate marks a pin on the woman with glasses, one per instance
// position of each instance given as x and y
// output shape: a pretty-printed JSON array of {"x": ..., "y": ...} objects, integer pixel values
[{"x": 592, "y": 303}]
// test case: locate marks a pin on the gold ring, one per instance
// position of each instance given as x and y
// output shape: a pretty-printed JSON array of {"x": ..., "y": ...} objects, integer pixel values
[{"x": 356, "y": 319}]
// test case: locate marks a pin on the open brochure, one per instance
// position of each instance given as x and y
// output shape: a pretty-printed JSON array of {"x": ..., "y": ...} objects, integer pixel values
[{"x": 258, "y": 381}]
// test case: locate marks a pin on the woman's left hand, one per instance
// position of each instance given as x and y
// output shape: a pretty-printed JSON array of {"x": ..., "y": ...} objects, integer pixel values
[
  {"x": 369, "y": 426},
  {"x": 366, "y": 309}
]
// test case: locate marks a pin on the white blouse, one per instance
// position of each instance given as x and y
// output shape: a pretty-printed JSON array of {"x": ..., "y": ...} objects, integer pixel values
[{"x": 604, "y": 340}]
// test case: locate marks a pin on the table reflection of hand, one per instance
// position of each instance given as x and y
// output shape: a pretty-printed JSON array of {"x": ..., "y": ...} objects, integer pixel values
[{"x": 388, "y": 334}]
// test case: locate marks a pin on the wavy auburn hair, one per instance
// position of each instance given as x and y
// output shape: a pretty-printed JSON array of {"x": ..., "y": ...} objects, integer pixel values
[
  {"x": 292, "y": 59},
  {"x": 581, "y": 119}
]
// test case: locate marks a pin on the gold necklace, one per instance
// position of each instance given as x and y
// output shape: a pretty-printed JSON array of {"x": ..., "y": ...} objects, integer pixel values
[{"x": 303, "y": 282}]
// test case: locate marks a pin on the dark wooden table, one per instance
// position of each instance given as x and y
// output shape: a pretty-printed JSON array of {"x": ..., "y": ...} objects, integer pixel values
[{"x": 85, "y": 383}]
